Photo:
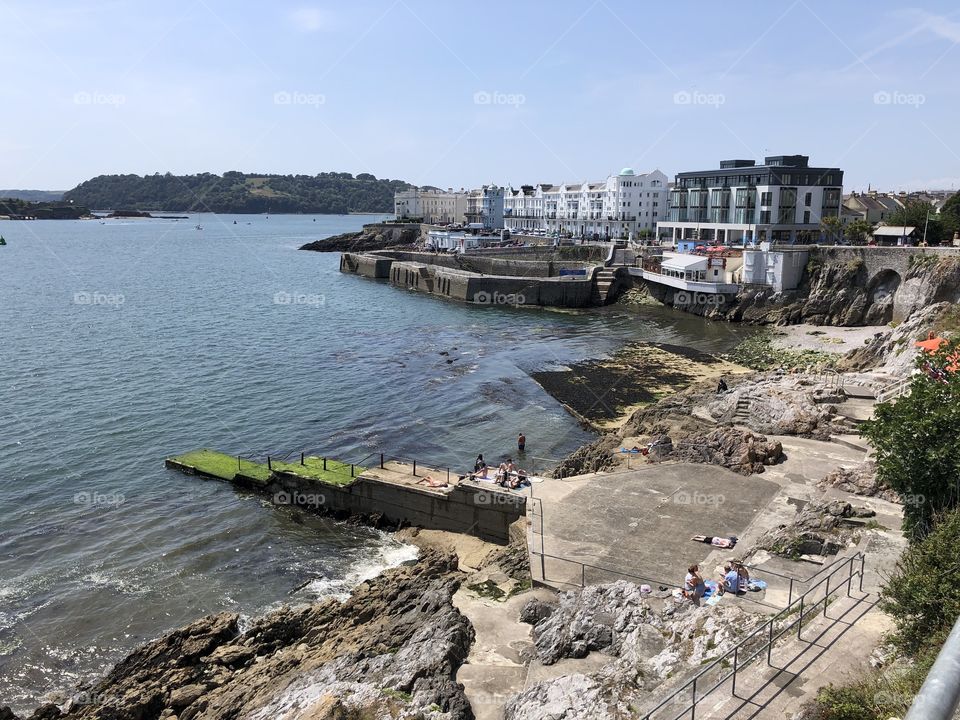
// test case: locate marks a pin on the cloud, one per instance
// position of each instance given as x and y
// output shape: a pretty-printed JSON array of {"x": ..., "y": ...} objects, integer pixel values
[
  {"x": 309, "y": 19},
  {"x": 920, "y": 23}
]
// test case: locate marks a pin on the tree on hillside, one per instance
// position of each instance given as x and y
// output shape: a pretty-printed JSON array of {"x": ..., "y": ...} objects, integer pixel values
[
  {"x": 858, "y": 232},
  {"x": 832, "y": 228},
  {"x": 919, "y": 214},
  {"x": 917, "y": 442}
]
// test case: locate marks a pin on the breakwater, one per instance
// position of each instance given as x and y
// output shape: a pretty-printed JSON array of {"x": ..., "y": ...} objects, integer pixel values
[
  {"x": 392, "y": 494},
  {"x": 488, "y": 280}
]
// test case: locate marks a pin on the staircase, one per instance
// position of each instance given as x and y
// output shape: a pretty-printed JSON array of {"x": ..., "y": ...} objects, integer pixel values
[
  {"x": 603, "y": 282},
  {"x": 741, "y": 415}
]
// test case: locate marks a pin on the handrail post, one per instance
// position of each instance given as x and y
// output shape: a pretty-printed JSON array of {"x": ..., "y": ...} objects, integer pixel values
[
  {"x": 736, "y": 655},
  {"x": 770, "y": 643},
  {"x": 863, "y": 559},
  {"x": 800, "y": 623},
  {"x": 693, "y": 707},
  {"x": 301, "y": 459},
  {"x": 269, "y": 466},
  {"x": 850, "y": 573},
  {"x": 351, "y": 469},
  {"x": 414, "y": 468},
  {"x": 381, "y": 461},
  {"x": 826, "y": 596},
  {"x": 790, "y": 595},
  {"x": 583, "y": 575}
]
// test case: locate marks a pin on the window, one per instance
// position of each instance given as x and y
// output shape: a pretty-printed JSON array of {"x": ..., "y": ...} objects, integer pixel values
[
  {"x": 766, "y": 198},
  {"x": 806, "y": 216},
  {"x": 807, "y": 199}
]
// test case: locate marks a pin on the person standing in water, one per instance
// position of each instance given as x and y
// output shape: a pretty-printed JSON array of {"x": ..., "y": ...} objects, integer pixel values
[{"x": 521, "y": 442}]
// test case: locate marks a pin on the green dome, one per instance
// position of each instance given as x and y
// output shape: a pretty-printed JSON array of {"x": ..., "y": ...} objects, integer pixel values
[{"x": 627, "y": 171}]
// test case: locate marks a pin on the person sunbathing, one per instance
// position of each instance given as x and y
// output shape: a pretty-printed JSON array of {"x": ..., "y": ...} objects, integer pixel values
[
  {"x": 727, "y": 542},
  {"x": 431, "y": 482}
]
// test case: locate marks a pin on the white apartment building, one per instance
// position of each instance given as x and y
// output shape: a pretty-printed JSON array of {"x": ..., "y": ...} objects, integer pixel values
[
  {"x": 619, "y": 207},
  {"x": 430, "y": 205},
  {"x": 781, "y": 201}
]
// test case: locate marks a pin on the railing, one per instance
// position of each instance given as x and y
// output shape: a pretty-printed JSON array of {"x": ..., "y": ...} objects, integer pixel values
[
  {"x": 940, "y": 694},
  {"x": 894, "y": 390},
  {"x": 585, "y": 569},
  {"x": 804, "y": 606},
  {"x": 829, "y": 378}
]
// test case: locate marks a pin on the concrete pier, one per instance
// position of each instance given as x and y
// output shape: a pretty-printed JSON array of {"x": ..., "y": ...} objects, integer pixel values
[{"x": 393, "y": 494}]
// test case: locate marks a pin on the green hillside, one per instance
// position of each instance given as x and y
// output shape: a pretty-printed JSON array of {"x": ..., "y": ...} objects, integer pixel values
[{"x": 236, "y": 192}]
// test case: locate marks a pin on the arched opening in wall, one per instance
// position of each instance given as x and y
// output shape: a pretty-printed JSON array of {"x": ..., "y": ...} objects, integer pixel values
[{"x": 880, "y": 294}]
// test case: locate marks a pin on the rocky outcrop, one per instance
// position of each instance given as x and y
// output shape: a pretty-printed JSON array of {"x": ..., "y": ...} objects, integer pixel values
[
  {"x": 819, "y": 529},
  {"x": 892, "y": 352},
  {"x": 733, "y": 448},
  {"x": 372, "y": 237},
  {"x": 645, "y": 647},
  {"x": 593, "y": 457},
  {"x": 391, "y": 651},
  {"x": 859, "y": 480}
]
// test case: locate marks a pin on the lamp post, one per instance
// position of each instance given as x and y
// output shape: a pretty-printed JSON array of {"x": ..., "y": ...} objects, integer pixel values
[{"x": 926, "y": 221}]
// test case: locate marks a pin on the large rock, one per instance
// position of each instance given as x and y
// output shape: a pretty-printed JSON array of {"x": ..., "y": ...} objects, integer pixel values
[
  {"x": 818, "y": 529},
  {"x": 391, "y": 651},
  {"x": 859, "y": 480},
  {"x": 739, "y": 450},
  {"x": 372, "y": 237}
]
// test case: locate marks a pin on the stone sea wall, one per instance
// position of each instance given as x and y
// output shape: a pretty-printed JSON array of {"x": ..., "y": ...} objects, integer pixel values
[{"x": 487, "y": 281}]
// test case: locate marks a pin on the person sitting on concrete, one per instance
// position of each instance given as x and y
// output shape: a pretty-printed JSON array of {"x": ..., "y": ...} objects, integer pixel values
[
  {"x": 480, "y": 464},
  {"x": 518, "y": 479},
  {"x": 722, "y": 386},
  {"x": 742, "y": 572},
  {"x": 693, "y": 585},
  {"x": 729, "y": 581}
]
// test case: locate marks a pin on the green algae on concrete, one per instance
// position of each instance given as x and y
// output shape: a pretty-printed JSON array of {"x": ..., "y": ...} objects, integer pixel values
[
  {"x": 336, "y": 472},
  {"x": 222, "y": 466},
  {"x": 228, "y": 467}
]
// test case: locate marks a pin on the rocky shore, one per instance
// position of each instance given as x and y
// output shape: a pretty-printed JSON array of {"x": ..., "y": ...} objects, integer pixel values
[
  {"x": 392, "y": 650},
  {"x": 372, "y": 237}
]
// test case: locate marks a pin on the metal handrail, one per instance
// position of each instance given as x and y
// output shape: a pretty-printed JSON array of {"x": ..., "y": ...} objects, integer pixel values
[
  {"x": 940, "y": 693},
  {"x": 801, "y": 581},
  {"x": 583, "y": 566},
  {"x": 773, "y": 636}
]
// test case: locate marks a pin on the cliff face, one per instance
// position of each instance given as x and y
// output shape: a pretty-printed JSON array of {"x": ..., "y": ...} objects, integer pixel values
[
  {"x": 392, "y": 650},
  {"x": 840, "y": 288},
  {"x": 372, "y": 237}
]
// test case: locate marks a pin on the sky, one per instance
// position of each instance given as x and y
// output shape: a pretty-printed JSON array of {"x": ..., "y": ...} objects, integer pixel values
[{"x": 458, "y": 94}]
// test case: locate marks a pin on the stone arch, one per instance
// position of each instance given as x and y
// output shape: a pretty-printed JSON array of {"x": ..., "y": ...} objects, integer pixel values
[{"x": 881, "y": 292}]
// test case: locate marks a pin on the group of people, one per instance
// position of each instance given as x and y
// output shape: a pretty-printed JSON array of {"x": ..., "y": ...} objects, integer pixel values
[
  {"x": 734, "y": 578},
  {"x": 507, "y": 474}
]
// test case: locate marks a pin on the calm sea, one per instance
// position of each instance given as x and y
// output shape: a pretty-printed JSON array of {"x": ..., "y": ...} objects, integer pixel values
[{"x": 124, "y": 342}]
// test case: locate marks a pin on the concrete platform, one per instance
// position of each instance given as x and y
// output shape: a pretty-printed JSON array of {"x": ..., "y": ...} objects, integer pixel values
[{"x": 593, "y": 527}]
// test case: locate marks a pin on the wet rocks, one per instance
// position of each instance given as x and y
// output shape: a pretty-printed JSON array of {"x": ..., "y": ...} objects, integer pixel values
[
  {"x": 372, "y": 237},
  {"x": 390, "y": 651},
  {"x": 593, "y": 457}
]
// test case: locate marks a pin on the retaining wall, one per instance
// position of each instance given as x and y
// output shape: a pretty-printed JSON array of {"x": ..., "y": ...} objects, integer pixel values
[{"x": 468, "y": 509}]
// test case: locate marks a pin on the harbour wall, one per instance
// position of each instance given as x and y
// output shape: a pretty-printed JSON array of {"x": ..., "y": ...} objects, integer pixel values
[
  {"x": 485, "y": 281},
  {"x": 465, "y": 508}
]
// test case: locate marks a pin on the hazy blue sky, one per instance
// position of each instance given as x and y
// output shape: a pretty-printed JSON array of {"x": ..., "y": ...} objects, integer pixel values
[{"x": 457, "y": 94}]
